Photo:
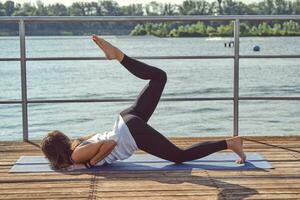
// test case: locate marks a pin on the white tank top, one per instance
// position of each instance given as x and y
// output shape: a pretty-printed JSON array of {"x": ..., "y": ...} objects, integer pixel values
[{"x": 120, "y": 133}]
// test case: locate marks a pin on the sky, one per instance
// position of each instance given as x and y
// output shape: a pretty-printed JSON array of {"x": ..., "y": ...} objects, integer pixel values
[{"x": 120, "y": 2}]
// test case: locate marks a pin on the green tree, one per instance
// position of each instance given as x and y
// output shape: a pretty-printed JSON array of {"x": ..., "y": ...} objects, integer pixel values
[
  {"x": 57, "y": 10},
  {"x": 282, "y": 7},
  {"x": 210, "y": 30},
  {"x": 194, "y": 7},
  {"x": 214, "y": 9},
  {"x": 24, "y": 10},
  {"x": 173, "y": 33},
  {"x": 264, "y": 29},
  {"x": 200, "y": 28},
  {"x": 2, "y": 10},
  {"x": 40, "y": 10},
  {"x": 220, "y": 10},
  {"x": 77, "y": 9},
  {"x": 290, "y": 28},
  {"x": 139, "y": 30},
  {"x": 244, "y": 29},
  {"x": 153, "y": 8},
  {"x": 276, "y": 30},
  {"x": 132, "y": 10},
  {"x": 253, "y": 31},
  {"x": 169, "y": 9},
  {"x": 225, "y": 30},
  {"x": 9, "y": 7},
  {"x": 109, "y": 8},
  {"x": 296, "y": 7},
  {"x": 266, "y": 7},
  {"x": 230, "y": 7}
]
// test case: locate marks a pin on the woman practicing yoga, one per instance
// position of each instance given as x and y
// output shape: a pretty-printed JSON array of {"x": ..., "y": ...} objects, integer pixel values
[{"x": 130, "y": 131}]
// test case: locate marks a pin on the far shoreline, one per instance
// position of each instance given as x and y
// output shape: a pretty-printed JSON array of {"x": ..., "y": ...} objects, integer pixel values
[{"x": 215, "y": 36}]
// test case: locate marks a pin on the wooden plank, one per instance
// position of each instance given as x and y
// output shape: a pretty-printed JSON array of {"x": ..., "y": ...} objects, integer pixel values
[{"x": 283, "y": 182}]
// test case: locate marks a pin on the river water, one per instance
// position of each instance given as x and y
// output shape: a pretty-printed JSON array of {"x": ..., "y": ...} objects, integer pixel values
[{"x": 186, "y": 78}]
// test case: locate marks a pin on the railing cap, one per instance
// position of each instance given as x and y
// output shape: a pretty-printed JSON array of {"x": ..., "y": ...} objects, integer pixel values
[{"x": 145, "y": 18}]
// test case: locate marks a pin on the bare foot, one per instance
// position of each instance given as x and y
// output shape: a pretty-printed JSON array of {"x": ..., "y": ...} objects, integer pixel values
[
  {"x": 236, "y": 144},
  {"x": 111, "y": 52}
]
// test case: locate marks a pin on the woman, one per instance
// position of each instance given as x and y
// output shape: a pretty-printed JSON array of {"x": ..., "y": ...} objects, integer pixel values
[{"x": 130, "y": 131}]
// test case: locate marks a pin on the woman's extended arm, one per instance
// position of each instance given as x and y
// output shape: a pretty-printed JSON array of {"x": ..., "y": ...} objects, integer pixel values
[{"x": 93, "y": 152}]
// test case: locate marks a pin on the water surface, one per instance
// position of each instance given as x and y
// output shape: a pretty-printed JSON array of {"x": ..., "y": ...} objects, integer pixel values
[{"x": 186, "y": 78}]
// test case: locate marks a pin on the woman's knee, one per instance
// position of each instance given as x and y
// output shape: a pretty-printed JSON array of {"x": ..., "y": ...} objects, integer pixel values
[
  {"x": 131, "y": 119},
  {"x": 127, "y": 111},
  {"x": 163, "y": 76},
  {"x": 133, "y": 122}
]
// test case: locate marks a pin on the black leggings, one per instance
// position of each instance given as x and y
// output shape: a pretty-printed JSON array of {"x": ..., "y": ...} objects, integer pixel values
[{"x": 136, "y": 116}]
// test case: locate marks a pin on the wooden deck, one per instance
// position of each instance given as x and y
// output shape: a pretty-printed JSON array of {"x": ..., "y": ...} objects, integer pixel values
[{"x": 283, "y": 182}]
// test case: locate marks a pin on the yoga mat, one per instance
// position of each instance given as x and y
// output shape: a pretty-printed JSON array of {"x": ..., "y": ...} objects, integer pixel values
[{"x": 140, "y": 162}]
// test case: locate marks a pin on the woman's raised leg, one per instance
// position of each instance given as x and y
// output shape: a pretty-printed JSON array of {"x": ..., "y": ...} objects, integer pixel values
[{"x": 148, "y": 98}]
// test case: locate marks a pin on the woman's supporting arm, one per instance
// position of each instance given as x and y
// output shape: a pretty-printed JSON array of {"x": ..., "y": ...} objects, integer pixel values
[
  {"x": 93, "y": 152},
  {"x": 105, "y": 149}
]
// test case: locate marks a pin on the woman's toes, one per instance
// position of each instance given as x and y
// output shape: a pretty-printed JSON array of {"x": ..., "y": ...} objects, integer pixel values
[
  {"x": 97, "y": 40},
  {"x": 94, "y": 37},
  {"x": 240, "y": 161},
  {"x": 110, "y": 51}
]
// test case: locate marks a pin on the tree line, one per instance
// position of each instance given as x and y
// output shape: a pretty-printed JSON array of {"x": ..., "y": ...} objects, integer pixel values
[
  {"x": 200, "y": 29},
  {"x": 187, "y": 7}
]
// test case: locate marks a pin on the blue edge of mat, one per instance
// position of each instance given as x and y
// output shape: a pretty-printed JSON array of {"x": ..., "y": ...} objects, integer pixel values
[{"x": 140, "y": 162}]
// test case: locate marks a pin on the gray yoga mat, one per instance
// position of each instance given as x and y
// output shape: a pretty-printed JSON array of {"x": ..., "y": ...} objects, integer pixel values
[{"x": 140, "y": 162}]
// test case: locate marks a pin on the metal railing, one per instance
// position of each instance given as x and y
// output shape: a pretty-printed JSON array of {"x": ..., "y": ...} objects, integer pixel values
[{"x": 235, "y": 18}]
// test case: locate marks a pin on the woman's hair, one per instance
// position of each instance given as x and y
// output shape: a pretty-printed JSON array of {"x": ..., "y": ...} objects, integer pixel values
[{"x": 58, "y": 148}]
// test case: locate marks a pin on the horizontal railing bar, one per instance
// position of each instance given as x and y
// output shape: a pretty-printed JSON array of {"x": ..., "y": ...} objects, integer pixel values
[
  {"x": 10, "y": 59},
  {"x": 136, "y": 57},
  {"x": 269, "y": 98},
  {"x": 145, "y": 18},
  {"x": 152, "y": 57},
  {"x": 163, "y": 99},
  {"x": 10, "y": 102},
  {"x": 269, "y": 56},
  {"x": 124, "y": 100},
  {"x": 113, "y": 100}
]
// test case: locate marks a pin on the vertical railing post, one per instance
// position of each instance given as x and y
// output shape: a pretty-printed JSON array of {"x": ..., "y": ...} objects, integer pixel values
[
  {"x": 236, "y": 78},
  {"x": 23, "y": 79}
]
